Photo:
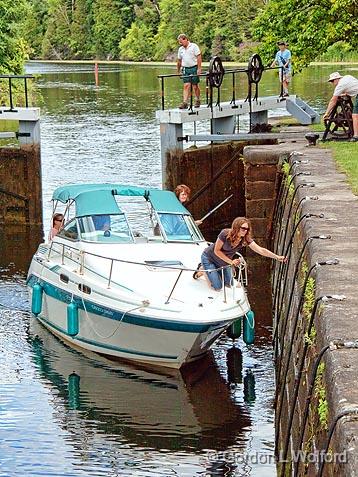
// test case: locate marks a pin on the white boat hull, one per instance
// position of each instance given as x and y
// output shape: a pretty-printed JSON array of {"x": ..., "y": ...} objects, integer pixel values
[{"x": 120, "y": 323}]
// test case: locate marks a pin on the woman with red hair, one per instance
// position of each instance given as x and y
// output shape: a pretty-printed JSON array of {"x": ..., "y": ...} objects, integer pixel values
[{"x": 183, "y": 192}]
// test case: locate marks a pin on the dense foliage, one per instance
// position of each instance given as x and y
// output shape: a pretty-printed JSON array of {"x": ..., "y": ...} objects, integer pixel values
[
  {"x": 147, "y": 29},
  {"x": 12, "y": 45},
  {"x": 313, "y": 28},
  {"x": 138, "y": 30}
]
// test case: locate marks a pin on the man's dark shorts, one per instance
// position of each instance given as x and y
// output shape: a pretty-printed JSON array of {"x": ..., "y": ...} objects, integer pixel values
[
  {"x": 355, "y": 106},
  {"x": 190, "y": 70}
]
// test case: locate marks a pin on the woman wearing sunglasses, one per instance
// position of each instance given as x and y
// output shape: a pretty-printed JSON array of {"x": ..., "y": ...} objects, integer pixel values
[
  {"x": 222, "y": 252},
  {"x": 57, "y": 224}
]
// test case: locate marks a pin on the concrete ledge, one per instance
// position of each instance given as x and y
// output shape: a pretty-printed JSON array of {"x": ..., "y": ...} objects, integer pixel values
[
  {"x": 180, "y": 116},
  {"x": 20, "y": 114},
  {"x": 265, "y": 155}
]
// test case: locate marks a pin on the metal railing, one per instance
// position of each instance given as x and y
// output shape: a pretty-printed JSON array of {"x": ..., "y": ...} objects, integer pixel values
[
  {"x": 10, "y": 79},
  {"x": 241, "y": 276},
  {"x": 214, "y": 78}
]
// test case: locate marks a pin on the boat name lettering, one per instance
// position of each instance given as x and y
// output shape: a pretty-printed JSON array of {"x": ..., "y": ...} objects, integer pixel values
[{"x": 102, "y": 310}]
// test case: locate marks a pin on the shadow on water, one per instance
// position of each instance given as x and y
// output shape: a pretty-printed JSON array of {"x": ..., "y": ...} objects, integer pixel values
[
  {"x": 17, "y": 246},
  {"x": 259, "y": 295}
]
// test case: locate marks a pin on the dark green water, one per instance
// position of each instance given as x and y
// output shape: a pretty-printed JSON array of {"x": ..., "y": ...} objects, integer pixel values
[{"x": 66, "y": 414}]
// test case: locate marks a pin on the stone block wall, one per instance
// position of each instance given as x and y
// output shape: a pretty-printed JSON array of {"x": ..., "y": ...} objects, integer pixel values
[
  {"x": 317, "y": 371},
  {"x": 318, "y": 401},
  {"x": 262, "y": 179}
]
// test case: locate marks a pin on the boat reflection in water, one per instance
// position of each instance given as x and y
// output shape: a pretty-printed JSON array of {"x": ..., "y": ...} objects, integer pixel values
[{"x": 118, "y": 407}]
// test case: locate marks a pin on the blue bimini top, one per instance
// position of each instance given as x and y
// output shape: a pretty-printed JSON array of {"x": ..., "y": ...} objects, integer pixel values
[{"x": 92, "y": 199}]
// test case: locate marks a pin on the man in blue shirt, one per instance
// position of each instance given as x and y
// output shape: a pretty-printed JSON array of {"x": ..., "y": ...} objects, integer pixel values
[{"x": 283, "y": 59}]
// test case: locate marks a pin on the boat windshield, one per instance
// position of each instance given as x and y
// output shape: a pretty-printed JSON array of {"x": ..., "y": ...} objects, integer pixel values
[
  {"x": 179, "y": 227},
  {"x": 105, "y": 228}
]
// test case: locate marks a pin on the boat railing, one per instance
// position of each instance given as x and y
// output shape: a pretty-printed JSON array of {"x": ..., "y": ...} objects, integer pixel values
[{"x": 240, "y": 275}]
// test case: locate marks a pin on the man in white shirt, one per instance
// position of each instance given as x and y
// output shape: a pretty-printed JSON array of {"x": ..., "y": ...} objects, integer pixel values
[
  {"x": 189, "y": 61},
  {"x": 344, "y": 85}
]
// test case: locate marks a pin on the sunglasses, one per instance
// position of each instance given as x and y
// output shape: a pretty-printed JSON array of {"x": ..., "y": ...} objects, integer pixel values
[
  {"x": 245, "y": 228},
  {"x": 58, "y": 220}
]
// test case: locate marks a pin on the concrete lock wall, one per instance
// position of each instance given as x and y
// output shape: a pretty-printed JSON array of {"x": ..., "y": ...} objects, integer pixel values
[
  {"x": 315, "y": 331},
  {"x": 20, "y": 168},
  {"x": 314, "y": 338},
  {"x": 262, "y": 180}
]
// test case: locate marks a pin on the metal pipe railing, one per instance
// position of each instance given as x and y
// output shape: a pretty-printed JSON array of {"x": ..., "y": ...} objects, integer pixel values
[
  {"x": 209, "y": 87},
  {"x": 82, "y": 253},
  {"x": 10, "y": 79}
]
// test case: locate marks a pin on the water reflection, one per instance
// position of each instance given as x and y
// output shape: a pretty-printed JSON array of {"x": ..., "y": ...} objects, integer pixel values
[
  {"x": 138, "y": 405},
  {"x": 124, "y": 89},
  {"x": 122, "y": 405},
  {"x": 234, "y": 365}
]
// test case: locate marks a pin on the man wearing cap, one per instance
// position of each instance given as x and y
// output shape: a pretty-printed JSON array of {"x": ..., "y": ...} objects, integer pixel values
[
  {"x": 344, "y": 85},
  {"x": 189, "y": 61},
  {"x": 283, "y": 60}
]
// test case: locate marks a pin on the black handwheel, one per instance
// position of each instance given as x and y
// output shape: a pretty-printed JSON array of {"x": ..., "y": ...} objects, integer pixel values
[
  {"x": 216, "y": 72},
  {"x": 255, "y": 69}
]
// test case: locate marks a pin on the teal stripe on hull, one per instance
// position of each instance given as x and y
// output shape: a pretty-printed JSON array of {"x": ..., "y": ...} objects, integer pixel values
[
  {"x": 66, "y": 297},
  {"x": 107, "y": 347}
]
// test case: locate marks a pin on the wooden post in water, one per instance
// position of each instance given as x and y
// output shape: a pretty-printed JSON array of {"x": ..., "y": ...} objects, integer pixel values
[{"x": 96, "y": 74}]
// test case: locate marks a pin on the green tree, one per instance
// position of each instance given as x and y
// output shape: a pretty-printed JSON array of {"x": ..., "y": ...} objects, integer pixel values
[
  {"x": 203, "y": 33},
  {"x": 12, "y": 46},
  {"x": 81, "y": 33},
  {"x": 174, "y": 19},
  {"x": 139, "y": 43},
  {"x": 57, "y": 39},
  {"x": 112, "y": 18},
  {"x": 310, "y": 26},
  {"x": 214, "y": 26},
  {"x": 230, "y": 36},
  {"x": 35, "y": 26}
]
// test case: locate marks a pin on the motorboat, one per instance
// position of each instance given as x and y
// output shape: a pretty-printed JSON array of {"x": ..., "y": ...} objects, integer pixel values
[{"x": 118, "y": 277}]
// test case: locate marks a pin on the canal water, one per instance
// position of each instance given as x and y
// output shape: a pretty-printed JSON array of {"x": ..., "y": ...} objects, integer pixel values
[{"x": 63, "y": 413}]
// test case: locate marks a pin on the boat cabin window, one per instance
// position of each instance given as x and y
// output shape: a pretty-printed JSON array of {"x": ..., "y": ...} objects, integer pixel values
[
  {"x": 152, "y": 226},
  {"x": 84, "y": 288},
  {"x": 64, "y": 278},
  {"x": 70, "y": 230},
  {"x": 178, "y": 227},
  {"x": 105, "y": 228}
]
